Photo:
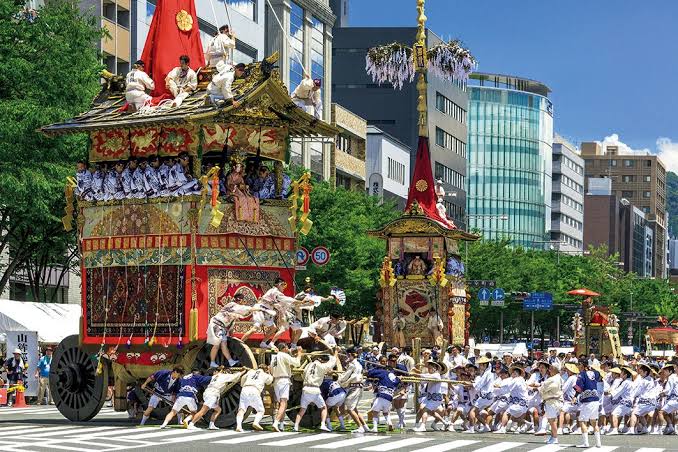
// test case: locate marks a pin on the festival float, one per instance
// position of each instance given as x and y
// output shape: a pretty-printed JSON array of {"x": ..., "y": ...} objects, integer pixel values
[
  {"x": 154, "y": 271},
  {"x": 596, "y": 330},
  {"x": 662, "y": 337},
  {"x": 423, "y": 286}
]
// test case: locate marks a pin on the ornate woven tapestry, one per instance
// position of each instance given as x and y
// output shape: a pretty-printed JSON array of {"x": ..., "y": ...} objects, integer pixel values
[{"x": 138, "y": 299}]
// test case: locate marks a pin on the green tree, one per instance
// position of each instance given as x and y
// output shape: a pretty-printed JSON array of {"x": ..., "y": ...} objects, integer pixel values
[
  {"x": 516, "y": 269},
  {"x": 49, "y": 72},
  {"x": 341, "y": 219}
]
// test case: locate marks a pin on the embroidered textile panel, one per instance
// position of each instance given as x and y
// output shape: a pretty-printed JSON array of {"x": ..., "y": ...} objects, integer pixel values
[{"x": 135, "y": 297}]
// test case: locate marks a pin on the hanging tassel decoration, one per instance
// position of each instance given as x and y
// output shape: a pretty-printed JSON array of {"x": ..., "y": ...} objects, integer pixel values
[
  {"x": 294, "y": 199},
  {"x": 306, "y": 188},
  {"x": 193, "y": 324},
  {"x": 69, "y": 190}
]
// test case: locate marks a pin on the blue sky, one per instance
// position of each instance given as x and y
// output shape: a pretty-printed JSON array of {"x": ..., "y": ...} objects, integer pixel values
[{"x": 612, "y": 64}]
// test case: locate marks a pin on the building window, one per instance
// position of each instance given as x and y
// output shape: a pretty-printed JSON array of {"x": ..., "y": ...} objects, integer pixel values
[
  {"x": 318, "y": 50},
  {"x": 295, "y": 154},
  {"x": 450, "y": 176},
  {"x": 297, "y": 44},
  {"x": 317, "y": 167},
  {"x": 629, "y": 163},
  {"x": 647, "y": 194},
  {"x": 247, "y": 8},
  {"x": 628, "y": 178},
  {"x": 445, "y": 105},
  {"x": 613, "y": 162},
  {"x": 344, "y": 143},
  {"x": 396, "y": 171},
  {"x": 648, "y": 178},
  {"x": 447, "y": 141},
  {"x": 627, "y": 194},
  {"x": 648, "y": 163}
]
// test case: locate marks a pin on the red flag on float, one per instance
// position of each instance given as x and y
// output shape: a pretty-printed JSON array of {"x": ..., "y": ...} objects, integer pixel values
[
  {"x": 174, "y": 32},
  {"x": 421, "y": 186}
]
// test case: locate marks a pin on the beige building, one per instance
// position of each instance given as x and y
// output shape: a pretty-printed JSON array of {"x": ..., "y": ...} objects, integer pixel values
[
  {"x": 347, "y": 159},
  {"x": 116, "y": 48},
  {"x": 641, "y": 179}
]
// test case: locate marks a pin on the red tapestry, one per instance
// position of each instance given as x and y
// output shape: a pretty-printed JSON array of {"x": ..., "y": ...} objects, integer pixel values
[
  {"x": 109, "y": 145},
  {"x": 135, "y": 300},
  {"x": 214, "y": 137},
  {"x": 144, "y": 141},
  {"x": 270, "y": 142},
  {"x": 174, "y": 140}
]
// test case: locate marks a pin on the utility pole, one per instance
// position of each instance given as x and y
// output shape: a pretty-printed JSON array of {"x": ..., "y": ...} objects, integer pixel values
[
  {"x": 532, "y": 328},
  {"x": 501, "y": 325}
]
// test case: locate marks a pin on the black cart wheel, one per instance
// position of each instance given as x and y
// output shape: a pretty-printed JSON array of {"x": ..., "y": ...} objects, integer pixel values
[
  {"x": 229, "y": 401},
  {"x": 78, "y": 392},
  {"x": 311, "y": 417}
]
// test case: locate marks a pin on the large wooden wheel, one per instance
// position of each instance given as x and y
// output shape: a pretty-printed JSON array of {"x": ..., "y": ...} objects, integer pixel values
[
  {"x": 77, "y": 390},
  {"x": 229, "y": 401},
  {"x": 311, "y": 417}
]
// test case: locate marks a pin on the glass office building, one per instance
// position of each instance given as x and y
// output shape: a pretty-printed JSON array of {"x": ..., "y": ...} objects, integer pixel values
[{"x": 510, "y": 153}]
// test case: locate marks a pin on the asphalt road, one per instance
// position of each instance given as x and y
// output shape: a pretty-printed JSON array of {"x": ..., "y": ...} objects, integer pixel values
[{"x": 44, "y": 429}]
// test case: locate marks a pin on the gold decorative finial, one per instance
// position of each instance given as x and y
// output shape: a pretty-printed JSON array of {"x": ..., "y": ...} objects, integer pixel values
[{"x": 420, "y": 63}]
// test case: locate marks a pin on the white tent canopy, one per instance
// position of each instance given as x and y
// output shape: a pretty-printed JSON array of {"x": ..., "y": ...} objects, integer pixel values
[{"x": 52, "y": 321}]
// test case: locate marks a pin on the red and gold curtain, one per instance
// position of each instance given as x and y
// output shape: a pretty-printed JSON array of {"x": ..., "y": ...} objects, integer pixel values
[
  {"x": 144, "y": 141},
  {"x": 174, "y": 140},
  {"x": 109, "y": 145}
]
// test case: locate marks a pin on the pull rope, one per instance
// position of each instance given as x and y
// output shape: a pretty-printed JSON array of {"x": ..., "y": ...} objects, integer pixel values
[{"x": 287, "y": 38}]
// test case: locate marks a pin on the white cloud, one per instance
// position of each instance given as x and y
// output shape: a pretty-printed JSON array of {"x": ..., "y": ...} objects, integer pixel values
[
  {"x": 666, "y": 150},
  {"x": 623, "y": 148}
]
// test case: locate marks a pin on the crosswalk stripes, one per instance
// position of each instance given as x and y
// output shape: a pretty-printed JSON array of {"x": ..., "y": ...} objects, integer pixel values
[
  {"x": 32, "y": 429},
  {"x": 253, "y": 438},
  {"x": 301, "y": 440},
  {"x": 499, "y": 447},
  {"x": 447, "y": 446},
  {"x": 601, "y": 449},
  {"x": 201, "y": 437},
  {"x": 550, "y": 448},
  {"x": 349, "y": 442},
  {"x": 397, "y": 444},
  {"x": 158, "y": 434},
  {"x": 650, "y": 449}
]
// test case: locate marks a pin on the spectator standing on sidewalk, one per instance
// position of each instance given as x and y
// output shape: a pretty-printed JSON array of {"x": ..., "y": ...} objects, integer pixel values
[{"x": 42, "y": 374}]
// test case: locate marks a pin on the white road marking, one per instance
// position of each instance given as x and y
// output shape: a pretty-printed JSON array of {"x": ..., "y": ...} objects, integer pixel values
[
  {"x": 40, "y": 434},
  {"x": 650, "y": 449},
  {"x": 398, "y": 444},
  {"x": 51, "y": 445},
  {"x": 301, "y": 439},
  {"x": 17, "y": 427},
  {"x": 33, "y": 429},
  {"x": 113, "y": 431},
  {"x": 601, "y": 449},
  {"x": 252, "y": 438},
  {"x": 349, "y": 442},
  {"x": 447, "y": 446},
  {"x": 551, "y": 448},
  {"x": 158, "y": 434},
  {"x": 498, "y": 447},
  {"x": 203, "y": 436}
]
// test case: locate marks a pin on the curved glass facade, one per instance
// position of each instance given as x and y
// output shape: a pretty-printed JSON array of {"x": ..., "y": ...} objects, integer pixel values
[{"x": 510, "y": 151}]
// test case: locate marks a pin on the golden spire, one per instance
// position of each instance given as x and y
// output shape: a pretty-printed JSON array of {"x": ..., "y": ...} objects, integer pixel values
[{"x": 419, "y": 55}]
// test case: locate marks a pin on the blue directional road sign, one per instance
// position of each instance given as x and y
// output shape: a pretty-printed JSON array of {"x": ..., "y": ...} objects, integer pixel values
[
  {"x": 498, "y": 297},
  {"x": 484, "y": 296},
  {"x": 538, "y": 301}
]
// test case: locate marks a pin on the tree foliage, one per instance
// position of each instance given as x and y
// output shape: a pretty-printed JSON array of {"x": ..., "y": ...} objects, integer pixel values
[
  {"x": 341, "y": 219},
  {"x": 48, "y": 72},
  {"x": 520, "y": 270}
]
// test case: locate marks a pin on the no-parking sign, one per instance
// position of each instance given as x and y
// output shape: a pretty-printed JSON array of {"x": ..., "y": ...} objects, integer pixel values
[
  {"x": 302, "y": 256},
  {"x": 320, "y": 255}
]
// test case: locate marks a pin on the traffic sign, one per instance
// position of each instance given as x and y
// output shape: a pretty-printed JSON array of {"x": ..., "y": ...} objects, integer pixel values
[
  {"x": 481, "y": 283},
  {"x": 484, "y": 296},
  {"x": 302, "y": 256},
  {"x": 320, "y": 255},
  {"x": 538, "y": 301},
  {"x": 498, "y": 297}
]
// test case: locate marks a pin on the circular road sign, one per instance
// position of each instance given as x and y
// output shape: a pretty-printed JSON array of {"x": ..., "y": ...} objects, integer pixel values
[
  {"x": 320, "y": 255},
  {"x": 302, "y": 256}
]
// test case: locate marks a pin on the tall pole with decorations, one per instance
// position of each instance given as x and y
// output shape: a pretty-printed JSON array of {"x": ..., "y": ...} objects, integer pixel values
[{"x": 423, "y": 241}]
